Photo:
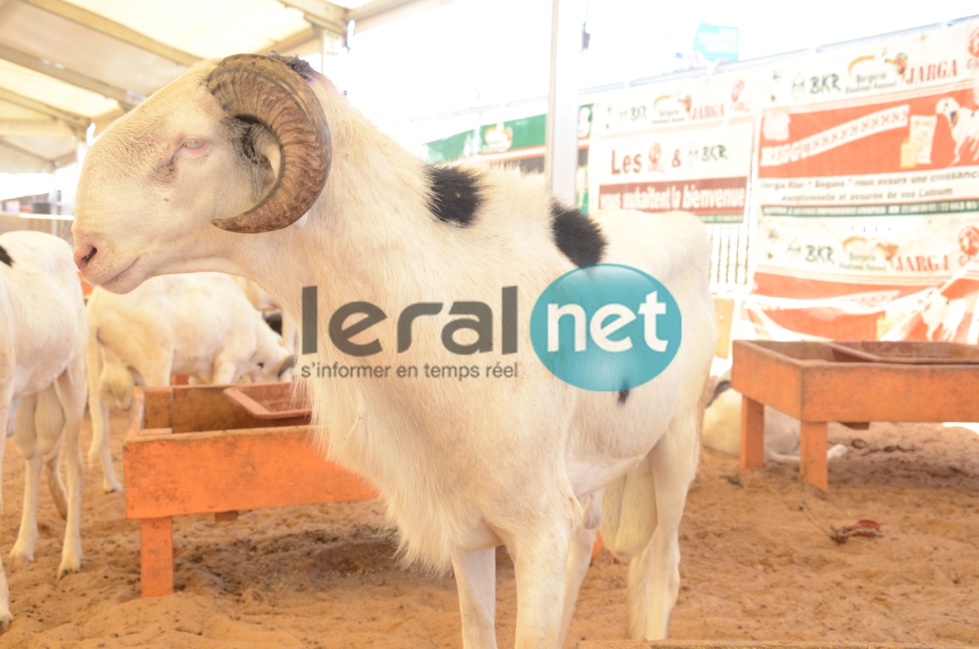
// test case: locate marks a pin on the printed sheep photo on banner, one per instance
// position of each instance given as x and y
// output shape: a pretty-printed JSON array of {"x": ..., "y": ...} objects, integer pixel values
[{"x": 258, "y": 166}]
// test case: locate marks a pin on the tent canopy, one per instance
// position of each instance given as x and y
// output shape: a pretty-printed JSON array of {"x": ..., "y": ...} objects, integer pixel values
[{"x": 68, "y": 64}]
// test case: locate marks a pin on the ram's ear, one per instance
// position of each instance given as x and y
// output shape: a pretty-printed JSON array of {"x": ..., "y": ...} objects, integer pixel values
[
  {"x": 263, "y": 90},
  {"x": 258, "y": 150}
]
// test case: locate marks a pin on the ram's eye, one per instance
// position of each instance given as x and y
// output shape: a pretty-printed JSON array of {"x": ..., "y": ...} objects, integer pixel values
[
  {"x": 261, "y": 366},
  {"x": 193, "y": 143}
]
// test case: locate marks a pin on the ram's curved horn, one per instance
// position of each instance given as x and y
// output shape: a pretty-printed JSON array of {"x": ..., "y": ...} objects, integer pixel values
[{"x": 265, "y": 90}]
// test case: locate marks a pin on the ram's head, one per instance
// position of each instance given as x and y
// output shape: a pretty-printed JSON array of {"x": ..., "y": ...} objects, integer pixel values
[{"x": 240, "y": 143}]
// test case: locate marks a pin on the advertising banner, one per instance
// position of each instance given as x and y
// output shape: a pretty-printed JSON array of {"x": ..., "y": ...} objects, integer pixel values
[
  {"x": 867, "y": 206},
  {"x": 519, "y": 142},
  {"x": 685, "y": 145}
]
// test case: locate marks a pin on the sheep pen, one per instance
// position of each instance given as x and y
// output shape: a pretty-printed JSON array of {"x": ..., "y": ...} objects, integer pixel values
[{"x": 759, "y": 564}]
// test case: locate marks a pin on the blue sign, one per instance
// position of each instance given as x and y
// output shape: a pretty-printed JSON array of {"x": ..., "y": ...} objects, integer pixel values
[{"x": 715, "y": 42}]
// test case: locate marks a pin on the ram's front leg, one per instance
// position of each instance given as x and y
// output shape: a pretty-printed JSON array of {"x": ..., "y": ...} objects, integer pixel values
[
  {"x": 5, "y": 617},
  {"x": 579, "y": 558},
  {"x": 540, "y": 561},
  {"x": 475, "y": 574}
]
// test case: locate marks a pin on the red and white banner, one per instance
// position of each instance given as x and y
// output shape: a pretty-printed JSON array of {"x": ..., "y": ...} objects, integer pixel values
[
  {"x": 680, "y": 146},
  {"x": 868, "y": 205}
]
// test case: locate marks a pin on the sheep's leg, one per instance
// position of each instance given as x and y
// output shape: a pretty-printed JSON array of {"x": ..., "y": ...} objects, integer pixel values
[
  {"x": 5, "y": 617},
  {"x": 540, "y": 560},
  {"x": 475, "y": 574},
  {"x": 49, "y": 420},
  {"x": 654, "y": 575},
  {"x": 99, "y": 412},
  {"x": 55, "y": 484},
  {"x": 71, "y": 394},
  {"x": 25, "y": 439},
  {"x": 579, "y": 558},
  {"x": 3, "y": 441},
  {"x": 224, "y": 370},
  {"x": 7, "y": 421}
]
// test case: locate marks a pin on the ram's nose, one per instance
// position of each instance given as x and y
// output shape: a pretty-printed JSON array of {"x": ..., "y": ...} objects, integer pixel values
[{"x": 84, "y": 253}]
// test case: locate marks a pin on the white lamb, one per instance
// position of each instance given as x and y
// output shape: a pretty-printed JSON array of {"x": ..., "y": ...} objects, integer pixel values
[
  {"x": 254, "y": 144},
  {"x": 200, "y": 325},
  {"x": 722, "y": 427},
  {"x": 42, "y": 364}
]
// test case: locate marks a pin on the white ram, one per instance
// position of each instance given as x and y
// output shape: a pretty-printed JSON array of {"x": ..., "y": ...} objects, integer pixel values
[
  {"x": 42, "y": 364},
  {"x": 305, "y": 192},
  {"x": 200, "y": 325}
]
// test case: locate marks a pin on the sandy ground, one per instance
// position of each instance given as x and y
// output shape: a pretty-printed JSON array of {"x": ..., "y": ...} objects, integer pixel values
[{"x": 758, "y": 564}]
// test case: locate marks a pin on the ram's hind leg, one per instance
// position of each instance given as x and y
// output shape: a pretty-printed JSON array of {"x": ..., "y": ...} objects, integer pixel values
[{"x": 654, "y": 574}]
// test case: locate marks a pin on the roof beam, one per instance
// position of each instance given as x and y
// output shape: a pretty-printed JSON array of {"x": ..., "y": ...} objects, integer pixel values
[
  {"x": 42, "y": 126},
  {"x": 24, "y": 152},
  {"x": 113, "y": 29},
  {"x": 290, "y": 43},
  {"x": 66, "y": 159},
  {"x": 377, "y": 8},
  {"x": 73, "y": 120},
  {"x": 322, "y": 14},
  {"x": 124, "y": 97}
]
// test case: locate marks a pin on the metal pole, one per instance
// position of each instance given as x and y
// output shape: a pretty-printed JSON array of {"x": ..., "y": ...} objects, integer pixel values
[{"x": 561, "y": 140}]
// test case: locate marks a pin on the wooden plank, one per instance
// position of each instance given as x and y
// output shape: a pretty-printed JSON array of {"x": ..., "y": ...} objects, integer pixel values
[
  {"x": 750, "y": 644},
  {"x": 752, "y": 433},
  {"x": 803, "y": 380},
  {"x": 766, "y": 376},
  {"x": 812, "y": 453},
  {"x": 200, "y": 408},
  {"x": 188, "y": 473},
  {"x": 156, "y": 556},
  {"x": 890, "y": 392},
  {"x": 156, "y": 406}
]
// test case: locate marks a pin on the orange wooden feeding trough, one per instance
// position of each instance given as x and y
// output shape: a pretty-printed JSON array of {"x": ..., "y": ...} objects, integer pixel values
[
  {"x": 853, "y": 383},
  {"x": 193, "y": 450}
]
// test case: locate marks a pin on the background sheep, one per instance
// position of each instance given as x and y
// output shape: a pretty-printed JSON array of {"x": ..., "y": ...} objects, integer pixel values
[
  {"x": 272, "y": 310},
  {"x": 200, "y": 325},
  {"x": 722, "y": 426},
  {"x": 251, "y": 144},
  {"x": 42, "y": 363}
]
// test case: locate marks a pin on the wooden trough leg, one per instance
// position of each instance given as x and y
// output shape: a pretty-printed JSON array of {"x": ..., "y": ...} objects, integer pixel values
[
  {"x": 812, "y": 456},
  {"x": 156, "y": 556},
  {"x": 752, "y": 433}
]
